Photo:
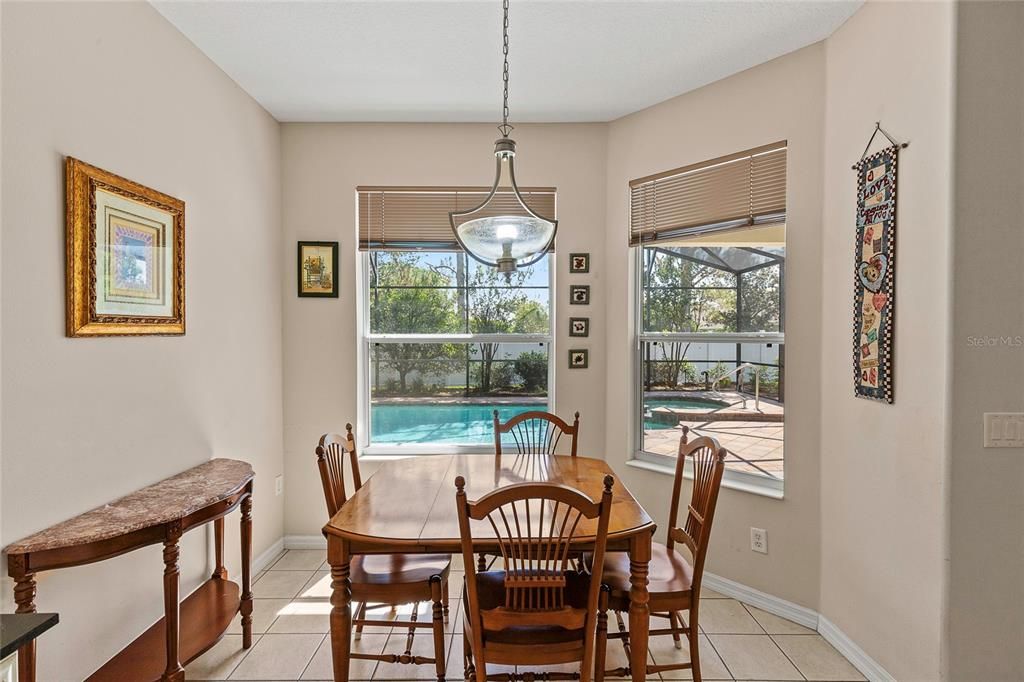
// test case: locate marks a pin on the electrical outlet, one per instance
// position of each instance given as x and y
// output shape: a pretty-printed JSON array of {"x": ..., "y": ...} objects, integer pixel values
[
  {"x": 759, "y": 540},
  {"x": 279, "y": 485}
]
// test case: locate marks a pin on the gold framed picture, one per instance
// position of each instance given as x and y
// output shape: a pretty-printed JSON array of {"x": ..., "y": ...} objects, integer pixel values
[
  {"x": 318, "y": 269},
  {"x": 125, "y": 256}
]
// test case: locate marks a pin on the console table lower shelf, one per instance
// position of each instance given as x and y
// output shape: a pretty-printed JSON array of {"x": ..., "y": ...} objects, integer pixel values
[
  {"x": 205, "y": 615},
  {"x": 158, "y": 514}
]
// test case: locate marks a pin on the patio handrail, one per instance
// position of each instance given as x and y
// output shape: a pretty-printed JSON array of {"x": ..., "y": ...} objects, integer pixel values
[{"x": 757, "y": 383}]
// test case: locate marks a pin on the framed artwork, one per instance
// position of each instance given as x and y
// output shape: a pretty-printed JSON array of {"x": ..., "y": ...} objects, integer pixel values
[
  {"x": 125, "y": 256},
  {"x": 318, "y": 269},
  {"x": 875, "y": 275},
  {"x": 579, "y": 358},
  {"x": 579, "y": 294},
  {"x": 579, "y": 262},
  {"x": 579, "y": 326}
]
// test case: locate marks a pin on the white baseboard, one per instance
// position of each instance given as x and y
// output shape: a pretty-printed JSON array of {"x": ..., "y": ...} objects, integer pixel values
[
  {"x": 762, "y": 600},
  {"x": 867, "y": 666},
  {"x": 264, "y": 559},
  {"x": 305, "y": 542},
  {"x": 802, "y": 615}
]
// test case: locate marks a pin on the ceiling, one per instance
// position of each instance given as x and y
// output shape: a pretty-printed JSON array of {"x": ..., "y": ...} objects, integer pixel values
[{"x": 407, "y": 60}]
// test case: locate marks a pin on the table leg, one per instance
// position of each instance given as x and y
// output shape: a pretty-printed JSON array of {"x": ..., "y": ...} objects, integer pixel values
[
  {"x": 24, "y": 597},
  {"x": 245, "y": 606},
  {"x": 218, "y": 549},
  {"x": 639, "y": 615},
  {"x": 341, "y": 603},
  {"x": 172, "y": 607}
]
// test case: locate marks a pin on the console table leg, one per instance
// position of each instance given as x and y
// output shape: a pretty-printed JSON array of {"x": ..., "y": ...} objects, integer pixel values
[
  {"x": 218, "y": 548},
  {"x": 24, "y": 597},
  {"x": 172, "y": 608},
  {"x": 245, "y": 607}
]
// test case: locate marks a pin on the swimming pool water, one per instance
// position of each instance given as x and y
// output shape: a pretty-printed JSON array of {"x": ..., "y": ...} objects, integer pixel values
[
  {"x": 683, "y": 404},
  {"x": 449, "y": 423}
]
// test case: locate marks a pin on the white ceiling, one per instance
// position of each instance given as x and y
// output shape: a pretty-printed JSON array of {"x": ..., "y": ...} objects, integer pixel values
[{"x": 408, "y": 60}]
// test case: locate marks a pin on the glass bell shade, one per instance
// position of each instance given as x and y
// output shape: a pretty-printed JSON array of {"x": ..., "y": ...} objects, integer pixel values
[
  {"x": 507, "y": 242},
  {"x": 510, "y": 239}
]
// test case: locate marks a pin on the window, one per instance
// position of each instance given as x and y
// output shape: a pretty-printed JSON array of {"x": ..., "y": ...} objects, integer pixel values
[
  {"x": 446, "y": 341},
  {"x": 710, "y": 346}
]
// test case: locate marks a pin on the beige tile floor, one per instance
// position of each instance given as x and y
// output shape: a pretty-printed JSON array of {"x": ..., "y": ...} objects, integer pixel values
[{"x": 290, "y": 625}]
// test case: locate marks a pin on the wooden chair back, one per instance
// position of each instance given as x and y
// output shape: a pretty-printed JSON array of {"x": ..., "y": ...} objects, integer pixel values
[
  {"x": 330, "y": 458},
  {"x": 708, "y": 466},
  {"x": 536, "y": 433},
  {"x": 535, "y": 525}
]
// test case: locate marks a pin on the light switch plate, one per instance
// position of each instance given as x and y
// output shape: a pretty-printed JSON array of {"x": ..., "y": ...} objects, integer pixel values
[
  {"x": 1004, "y": 430},
  {"x": 279, "y": 485}
]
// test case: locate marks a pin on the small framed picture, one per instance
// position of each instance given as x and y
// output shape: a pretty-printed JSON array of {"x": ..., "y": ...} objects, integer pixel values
[
  {"x": 579, "y": 358},
  {"x": 579, "y": 326},
  {"x": 579, "y": 262},
  {"x": 318, "y": 269},
  {"x": 579, "y": 294}
]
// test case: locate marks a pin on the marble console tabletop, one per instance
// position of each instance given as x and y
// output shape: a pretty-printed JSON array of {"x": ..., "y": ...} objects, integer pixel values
[{"x": 172, "y": 498}]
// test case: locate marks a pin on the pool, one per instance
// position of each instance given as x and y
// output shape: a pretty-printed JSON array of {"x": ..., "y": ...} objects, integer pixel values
[
  {"x": 450, "y": 423},
  {"x": 676, "y": 404}
]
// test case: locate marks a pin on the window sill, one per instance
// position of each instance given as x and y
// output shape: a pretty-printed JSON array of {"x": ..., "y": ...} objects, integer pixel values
[
  {"x": 386, "y": 452},
  {"x": 764, "y": 488}
]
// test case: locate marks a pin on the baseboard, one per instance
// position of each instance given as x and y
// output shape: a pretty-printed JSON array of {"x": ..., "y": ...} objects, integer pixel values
[
  {"x": 264, "y": 559},
  {"x": 802, "y": 615},
  {"x": 762, "y": 600},
  {"x": 305, "y": 542},
  {"x": 867, "y": 666}
]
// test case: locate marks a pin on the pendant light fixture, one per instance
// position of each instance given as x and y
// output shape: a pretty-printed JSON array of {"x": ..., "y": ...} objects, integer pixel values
[{"x": 491, "y": 233}]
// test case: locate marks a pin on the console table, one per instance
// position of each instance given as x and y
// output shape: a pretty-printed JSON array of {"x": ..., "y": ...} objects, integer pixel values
[{"x": 159, "y": 513}]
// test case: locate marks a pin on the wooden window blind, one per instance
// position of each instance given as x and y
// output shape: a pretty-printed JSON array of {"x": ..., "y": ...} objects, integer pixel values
[
  {"x": 416, "y": 218},
  {"x": 743, "y": 189}
]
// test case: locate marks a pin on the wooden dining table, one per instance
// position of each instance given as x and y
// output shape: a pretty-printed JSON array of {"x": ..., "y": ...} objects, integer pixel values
[{"x": 408, "y": 506}]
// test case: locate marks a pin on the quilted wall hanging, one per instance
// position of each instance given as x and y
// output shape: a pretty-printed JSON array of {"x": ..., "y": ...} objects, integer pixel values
[{"x": 875, "y": 271}]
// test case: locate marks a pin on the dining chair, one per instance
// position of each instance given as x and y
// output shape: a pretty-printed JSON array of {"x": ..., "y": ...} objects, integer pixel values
[
  {"x": 674, "y": 582},
  {"x": 538, "y": 610},
  {"x": 536, "y": 432},
  {"x": 386, "y": 580}
]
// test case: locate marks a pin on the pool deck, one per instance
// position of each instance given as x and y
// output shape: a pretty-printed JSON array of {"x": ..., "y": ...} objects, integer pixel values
[{"x": 753, "y": 438}]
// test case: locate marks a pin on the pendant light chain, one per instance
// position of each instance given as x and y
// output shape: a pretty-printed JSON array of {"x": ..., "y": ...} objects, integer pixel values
[
  {"x": 505, "y": 128},
  {"x": 494, "y": 233}
]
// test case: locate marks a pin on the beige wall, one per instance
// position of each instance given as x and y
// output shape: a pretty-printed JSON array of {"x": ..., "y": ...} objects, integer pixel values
[
  {"x": 322, "y": 165},
  {"x": 883, "y": 467},
  {"x": 87, "y": 420},
  {"x": 986, "y": 602},
  {"x": 780, "y": 100}
]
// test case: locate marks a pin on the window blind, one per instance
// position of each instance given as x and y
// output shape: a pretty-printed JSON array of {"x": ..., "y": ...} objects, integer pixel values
[
  {"x": 742, "y": 189},
  {"x": 414, "y": 218}
]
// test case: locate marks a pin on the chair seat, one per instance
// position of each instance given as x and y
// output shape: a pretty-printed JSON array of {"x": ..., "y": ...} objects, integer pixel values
[
  {"x": 394, "y": 569},
  {"x": 491, "y": 595},
  {"x": 669, "y": 575}
]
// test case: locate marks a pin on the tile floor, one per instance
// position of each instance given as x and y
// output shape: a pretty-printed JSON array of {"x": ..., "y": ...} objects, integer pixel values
[{"x": 290, "y": 625}]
